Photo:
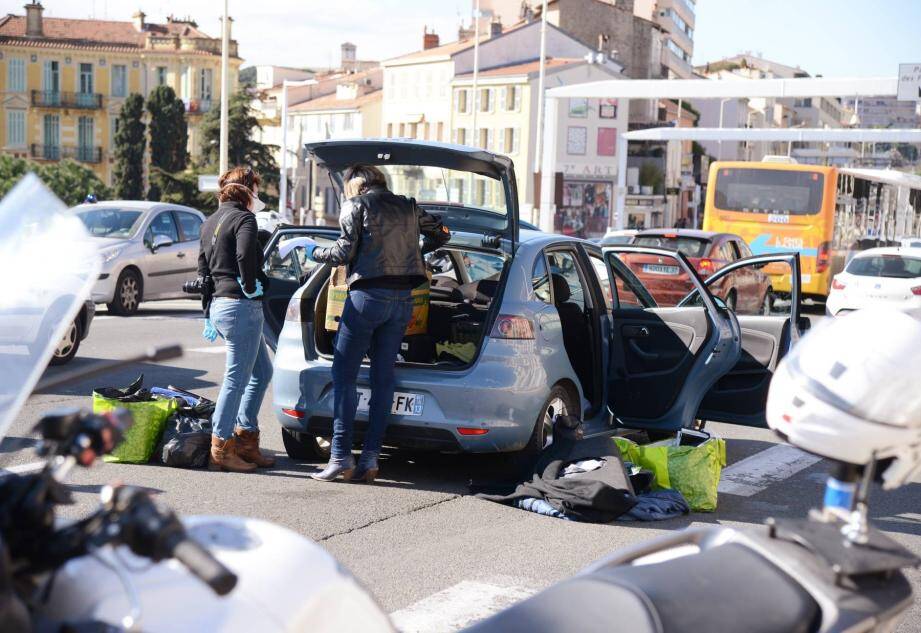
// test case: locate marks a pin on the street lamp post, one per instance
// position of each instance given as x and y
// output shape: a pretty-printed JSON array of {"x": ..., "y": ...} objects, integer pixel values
[
  {"x": 538, "y": 141},
  {"x": 225, "y": 87},
  {"x": 722, "y": 103}
]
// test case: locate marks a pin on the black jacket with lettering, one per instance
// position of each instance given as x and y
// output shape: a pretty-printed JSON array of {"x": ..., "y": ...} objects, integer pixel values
[
  {"x": 230, "y": 249},
  {"x": 380, "y": 238}
]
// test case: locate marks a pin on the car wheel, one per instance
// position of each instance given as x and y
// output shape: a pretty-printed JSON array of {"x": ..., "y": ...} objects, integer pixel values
[
  {"x": 68, "y": 345},
  {"x": 127, "y": 294},
  {"x": 767, "y": 304},
  {"x": 305, "y": 447},
  {"x": 559, "y": 402}
]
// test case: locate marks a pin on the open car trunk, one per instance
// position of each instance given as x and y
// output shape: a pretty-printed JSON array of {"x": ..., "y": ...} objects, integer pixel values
[{"x": 465, "y": 287}]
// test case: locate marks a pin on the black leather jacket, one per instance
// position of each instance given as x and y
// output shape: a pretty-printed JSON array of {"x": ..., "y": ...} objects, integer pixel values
[{"x": 380, "y": 237}]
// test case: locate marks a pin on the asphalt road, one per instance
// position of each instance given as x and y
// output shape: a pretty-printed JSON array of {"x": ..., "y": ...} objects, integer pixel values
[{"x": 428, "y": 551}]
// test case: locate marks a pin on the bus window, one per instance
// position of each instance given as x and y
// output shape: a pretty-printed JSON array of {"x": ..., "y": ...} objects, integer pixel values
[{"x": 769, "y": 191}]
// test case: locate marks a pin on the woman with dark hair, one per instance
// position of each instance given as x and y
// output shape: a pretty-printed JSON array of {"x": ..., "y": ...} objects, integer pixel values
[
  {"x": 231, "y": 255},
  {"x": 379, "y": 245}
]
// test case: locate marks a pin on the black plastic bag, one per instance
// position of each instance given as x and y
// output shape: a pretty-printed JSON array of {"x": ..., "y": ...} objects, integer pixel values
[
  {"x": 131, "y": 393},
  {"x": 187, "y": 441}
]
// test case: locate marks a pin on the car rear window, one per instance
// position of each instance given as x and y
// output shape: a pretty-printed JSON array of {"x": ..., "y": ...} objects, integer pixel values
[
  {"x": 769, "y": 191},
  {"x": 689, "y": 246},
  {"x": 893, "y": 266}
]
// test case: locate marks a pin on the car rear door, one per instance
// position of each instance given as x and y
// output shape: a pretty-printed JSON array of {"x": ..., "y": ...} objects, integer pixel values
[
  {"x": 664, "y": 357},
  {"x": 287, "y": 272},
  {"x": 769, "y": 327}
]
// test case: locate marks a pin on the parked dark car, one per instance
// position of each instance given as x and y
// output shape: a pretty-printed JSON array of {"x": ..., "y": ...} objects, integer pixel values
[{"x": 747, "y": 291}]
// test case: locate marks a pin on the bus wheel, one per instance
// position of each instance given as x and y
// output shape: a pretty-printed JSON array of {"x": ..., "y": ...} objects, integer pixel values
[{"x": 767, "y": 304}]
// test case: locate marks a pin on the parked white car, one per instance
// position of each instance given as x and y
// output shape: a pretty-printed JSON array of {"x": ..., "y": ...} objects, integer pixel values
[
  {"x": 149, "y": 249},
  {"x": 888, "y": 276},
  {"x": 268, "y": 220}
]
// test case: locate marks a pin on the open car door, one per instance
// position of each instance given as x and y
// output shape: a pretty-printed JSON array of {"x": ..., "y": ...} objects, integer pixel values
[
  {"x": 770, "y": 324},
  {"x": 287, "y": 268},
  {"x": 664, "y": 357}
]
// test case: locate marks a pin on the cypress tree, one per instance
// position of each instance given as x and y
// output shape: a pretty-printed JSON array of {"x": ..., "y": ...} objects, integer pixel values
[{"x": 130, "y": 143}]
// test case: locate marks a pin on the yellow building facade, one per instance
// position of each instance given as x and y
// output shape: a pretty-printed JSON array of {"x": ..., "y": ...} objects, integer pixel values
[{"x": 63, "y": 82}]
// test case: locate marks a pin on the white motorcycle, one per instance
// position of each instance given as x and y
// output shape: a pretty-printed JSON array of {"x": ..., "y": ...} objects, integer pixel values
[{"x": 132, "y": 564}]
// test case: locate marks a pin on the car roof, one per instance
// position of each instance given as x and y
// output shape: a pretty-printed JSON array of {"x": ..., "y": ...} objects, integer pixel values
[
  {"x": 134, "y": 205},
  {"x": 889, "y": 250},
  {"x": 694, "y": 233}
]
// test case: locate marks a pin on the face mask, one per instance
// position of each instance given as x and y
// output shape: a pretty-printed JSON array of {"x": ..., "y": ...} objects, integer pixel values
[{"x": 258, "y": 205}]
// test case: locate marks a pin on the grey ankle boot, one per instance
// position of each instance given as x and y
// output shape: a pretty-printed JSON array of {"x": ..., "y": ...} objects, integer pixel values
[{"x": 336, "y": 467}]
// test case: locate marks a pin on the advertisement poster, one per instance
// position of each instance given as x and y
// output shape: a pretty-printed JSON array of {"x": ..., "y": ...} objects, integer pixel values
[
  {"x": 607, "y": 109},
  {"x": 586, "y": 209}
]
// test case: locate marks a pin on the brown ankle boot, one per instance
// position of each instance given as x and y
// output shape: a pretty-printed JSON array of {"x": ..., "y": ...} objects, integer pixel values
[
  {"x": 248, "y": 449},
  {"x": 224, "y": 457}
]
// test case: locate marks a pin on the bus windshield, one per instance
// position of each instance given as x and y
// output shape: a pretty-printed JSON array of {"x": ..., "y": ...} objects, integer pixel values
[{"x": 758, "y": 190}]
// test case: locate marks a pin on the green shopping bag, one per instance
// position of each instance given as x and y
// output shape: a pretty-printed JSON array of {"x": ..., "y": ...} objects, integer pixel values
[
  {"x": 141, "y": 439},
  {"x": 694, "y": 471}
]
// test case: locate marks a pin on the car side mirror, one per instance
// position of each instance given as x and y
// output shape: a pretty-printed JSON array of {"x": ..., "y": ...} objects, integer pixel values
[
  {"x": 159, "y": 241},
  {"x": 720, "y": 303}
]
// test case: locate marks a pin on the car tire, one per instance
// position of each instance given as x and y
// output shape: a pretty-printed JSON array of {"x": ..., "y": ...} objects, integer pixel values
[
  {"x": 304, "y": 446},
  {"x": 767, "y": 303},
  {"x": 128, "y": 291},
  {"x": 68, "y": 345},
  {"x": 559, "y": 402}
]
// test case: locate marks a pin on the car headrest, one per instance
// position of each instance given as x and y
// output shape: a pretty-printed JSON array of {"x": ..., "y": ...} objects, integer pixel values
[{"x": 561, "y": 291}]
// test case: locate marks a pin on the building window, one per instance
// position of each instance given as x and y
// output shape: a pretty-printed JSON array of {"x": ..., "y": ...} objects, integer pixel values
[
  {"x": 576, "y": 140},
  {"x": 51, "y": 136},
  {"x": 607, "y": 109},
  {"x": 578, "y": 108},
  {"x": 86, "y": 79},
  {"x": 514, "y": 98},
  {"x": 51, "y": 77},
  {"x": 113, "y": 130},
  {"x": 512, "y": 139},
  {"x": 161, "y": 75},
  {"x": 348, "y": 121},
  {"x": 16, "y": 75},
  {"x": 607, "y": 141},
  {"x": 119, "y": 80},
  {"x": 206, "y": 85},
  {"x": 460, "y": 136},
  {"x": 486, "y": 99},
  {"x": 85, "y": 130},
  {"x": 15, "y": 128}
]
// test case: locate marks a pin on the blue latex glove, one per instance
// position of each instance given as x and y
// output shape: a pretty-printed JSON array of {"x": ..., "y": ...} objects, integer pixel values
[
  {"x": 308, "y": 252},
  {"x": 258, "y": 292},
  {"x": 210, "y": 333}
]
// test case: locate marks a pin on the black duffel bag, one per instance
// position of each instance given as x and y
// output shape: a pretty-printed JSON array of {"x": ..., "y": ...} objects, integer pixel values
[{"x": 186, "y": 441}]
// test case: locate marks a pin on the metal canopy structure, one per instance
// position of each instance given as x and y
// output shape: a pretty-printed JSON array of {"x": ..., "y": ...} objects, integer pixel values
[{"x": 710, "y": 89}]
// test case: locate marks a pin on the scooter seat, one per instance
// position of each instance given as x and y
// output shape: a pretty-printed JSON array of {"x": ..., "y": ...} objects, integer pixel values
[{"x": 722, "y": 590}]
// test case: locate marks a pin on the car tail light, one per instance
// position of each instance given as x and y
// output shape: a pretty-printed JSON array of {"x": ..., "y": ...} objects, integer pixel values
[
  {"x": 837, "y": 285},
  {"x": 293, "y": 413},
  {"x": 293, "y": 313},
  {"x": 467, "y": 430},
  {"x": 823, "y": 258},
  {"x": 512, "y": 327},
  {"x": 706, "y": 266},
  {"x": 916, "y": 291}
]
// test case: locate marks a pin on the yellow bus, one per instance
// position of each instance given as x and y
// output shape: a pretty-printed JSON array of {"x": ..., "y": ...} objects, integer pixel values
[{"x": 823, "y": 213}]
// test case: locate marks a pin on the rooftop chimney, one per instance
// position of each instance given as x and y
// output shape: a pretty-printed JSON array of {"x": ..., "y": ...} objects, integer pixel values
[
  {"x": 138, "y": 19},
  {"x": 495, "y": 28},
  {"x": 464, "y": 33},
  {"x": 430, "y": 40},
  {"x": 34, "y": 19}
]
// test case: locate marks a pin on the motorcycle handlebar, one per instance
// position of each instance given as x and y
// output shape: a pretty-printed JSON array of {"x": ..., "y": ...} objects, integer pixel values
[{"x": 205, "y": 566}]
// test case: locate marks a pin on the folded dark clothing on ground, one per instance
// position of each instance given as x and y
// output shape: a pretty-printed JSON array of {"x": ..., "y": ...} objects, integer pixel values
[{"x": 657, "y": 505}]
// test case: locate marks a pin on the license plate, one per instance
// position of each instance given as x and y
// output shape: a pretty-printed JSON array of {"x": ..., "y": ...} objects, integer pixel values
[
  {"x": 403, "y": 403},
  {"x": 659, "y": 269}
]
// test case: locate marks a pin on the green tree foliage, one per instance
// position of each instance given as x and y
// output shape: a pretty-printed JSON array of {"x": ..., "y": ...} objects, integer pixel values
[
  {"x": 70, "y": 181},
  {"x": 242, "y": 149},
  {"x": 130, "y": 144},
  {"x": 169, "y": 138}
]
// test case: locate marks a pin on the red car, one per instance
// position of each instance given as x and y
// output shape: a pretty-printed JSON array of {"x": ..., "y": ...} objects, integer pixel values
[{"x": 746, "y": 292}]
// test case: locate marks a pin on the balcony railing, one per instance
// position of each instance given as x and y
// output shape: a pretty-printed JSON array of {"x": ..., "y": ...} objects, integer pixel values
[
  {"x": 84, "y": 154},
  {"x": 56, "y": 99}
]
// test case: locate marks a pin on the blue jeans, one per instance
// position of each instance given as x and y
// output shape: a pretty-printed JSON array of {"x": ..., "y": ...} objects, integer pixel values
[
  {"x": 248, "y": 370},
  {"x": 374, "y": 319}
]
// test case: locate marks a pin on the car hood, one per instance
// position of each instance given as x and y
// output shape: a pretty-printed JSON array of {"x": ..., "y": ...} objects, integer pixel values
[
  {"x": 337, "y": 155},
  {"x": 102, "y": 243}
]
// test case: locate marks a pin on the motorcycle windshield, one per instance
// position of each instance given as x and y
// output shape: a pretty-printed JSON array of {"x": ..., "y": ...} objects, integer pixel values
[{"x": 47, "y": 267}]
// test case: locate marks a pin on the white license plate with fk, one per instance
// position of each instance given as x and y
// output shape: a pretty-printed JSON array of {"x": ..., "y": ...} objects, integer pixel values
[{"x": 411, "y": 404}]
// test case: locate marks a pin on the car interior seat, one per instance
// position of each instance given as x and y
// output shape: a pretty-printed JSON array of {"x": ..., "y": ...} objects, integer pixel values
[{"x": 575, "y": 329}]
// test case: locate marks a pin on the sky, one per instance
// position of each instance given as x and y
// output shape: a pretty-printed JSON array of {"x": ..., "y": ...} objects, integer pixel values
[{"x": 834, "y": 38}]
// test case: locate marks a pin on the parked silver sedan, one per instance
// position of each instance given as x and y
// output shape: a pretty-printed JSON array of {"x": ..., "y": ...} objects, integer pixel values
[{"x": 148, "y": 249}]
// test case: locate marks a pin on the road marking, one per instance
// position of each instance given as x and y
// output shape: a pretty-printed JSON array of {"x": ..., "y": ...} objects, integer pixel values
[
  {"x": 213, "y": 349},
  {"x": 457, "y": 607},
  {"x": 152, "y": 317},
  {"x": 753, "y": 474}
]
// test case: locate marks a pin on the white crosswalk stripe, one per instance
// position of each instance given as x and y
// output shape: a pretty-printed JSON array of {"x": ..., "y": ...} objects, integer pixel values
[
  {"x": 754, "y": 474},
  {"x": 457, "y": 607}
]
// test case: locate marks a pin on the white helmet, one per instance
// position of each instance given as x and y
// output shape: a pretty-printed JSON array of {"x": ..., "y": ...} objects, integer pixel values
[{"x": 851, "y": 391}]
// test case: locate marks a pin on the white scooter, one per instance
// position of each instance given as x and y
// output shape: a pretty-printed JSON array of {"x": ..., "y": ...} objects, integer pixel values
[{"x": 131, "y": 565}]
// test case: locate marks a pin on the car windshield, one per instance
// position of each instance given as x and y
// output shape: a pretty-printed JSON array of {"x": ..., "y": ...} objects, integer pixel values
[
  {"x": 892, "y": 266},
  {"x": 447, "y": 186},
  {"x": 689, "y": 246},
  {"x": 109, "y": 222}
]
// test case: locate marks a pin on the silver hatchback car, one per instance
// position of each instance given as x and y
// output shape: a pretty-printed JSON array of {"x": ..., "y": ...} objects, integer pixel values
[
  {"x": 522, "y": 325},
  {"x": 148, "y": 249}
]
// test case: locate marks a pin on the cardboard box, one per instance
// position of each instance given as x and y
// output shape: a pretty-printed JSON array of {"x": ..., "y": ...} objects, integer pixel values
[{"x": 339, "y": 291}]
